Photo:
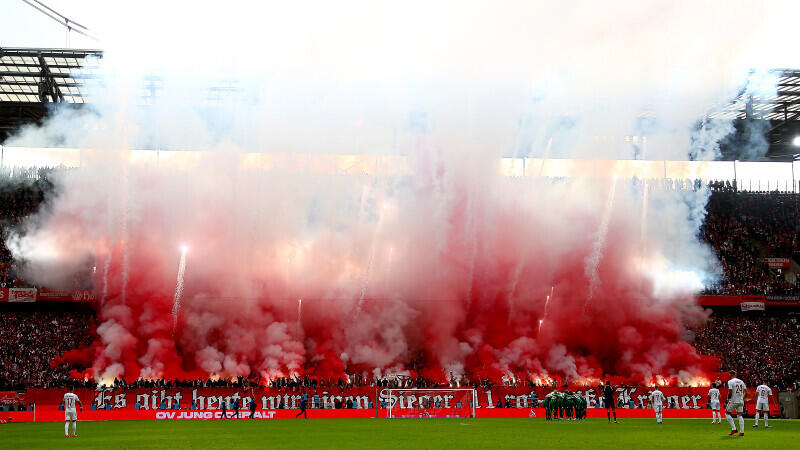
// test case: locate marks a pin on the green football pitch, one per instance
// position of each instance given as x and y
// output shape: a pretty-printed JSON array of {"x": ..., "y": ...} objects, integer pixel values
[{"x": 401, "y": 433}]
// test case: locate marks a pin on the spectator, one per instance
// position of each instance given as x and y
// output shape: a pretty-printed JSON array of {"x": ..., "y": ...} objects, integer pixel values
[
  {"x": 762, "y": 348},
  {"x": 33, "y": 343}
]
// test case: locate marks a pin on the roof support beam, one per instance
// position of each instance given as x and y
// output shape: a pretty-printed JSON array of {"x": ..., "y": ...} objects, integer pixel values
[{"x": 48, "y": 85}]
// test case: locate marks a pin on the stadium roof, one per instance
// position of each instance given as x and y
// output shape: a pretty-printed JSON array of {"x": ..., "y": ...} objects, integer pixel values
[
  {"x": 33, "y": 78},
  {"x": 45, "y": 75},
  {"x": 783, "y": 105},
  {"x": 780, "y": 108}
]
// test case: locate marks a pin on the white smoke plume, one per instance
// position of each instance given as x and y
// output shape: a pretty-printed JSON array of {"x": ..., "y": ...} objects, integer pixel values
[{"x": 441, "y": 265}]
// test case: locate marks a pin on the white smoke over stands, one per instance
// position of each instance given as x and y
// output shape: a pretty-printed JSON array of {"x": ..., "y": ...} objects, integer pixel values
[{"x": 423, "y": 258}]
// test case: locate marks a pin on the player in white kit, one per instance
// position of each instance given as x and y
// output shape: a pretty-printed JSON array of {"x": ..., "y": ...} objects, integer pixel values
[
  {"x": 657, "y": 399},
  {"x": 713, "y": 397},
  {"x": 70, "y": 414},
  {"x": 762, "y": 404},
  {"x": 735, "y": 406}
]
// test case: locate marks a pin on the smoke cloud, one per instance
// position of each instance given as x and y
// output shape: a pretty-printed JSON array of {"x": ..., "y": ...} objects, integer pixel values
[{"x": 439, "y": 265}]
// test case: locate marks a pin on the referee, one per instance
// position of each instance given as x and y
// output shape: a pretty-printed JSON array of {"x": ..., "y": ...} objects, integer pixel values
[{"x": 608, "y": 399}]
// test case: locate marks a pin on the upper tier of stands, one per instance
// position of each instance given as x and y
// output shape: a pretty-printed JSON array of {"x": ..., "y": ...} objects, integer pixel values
[{"x": 742, "y": 228}]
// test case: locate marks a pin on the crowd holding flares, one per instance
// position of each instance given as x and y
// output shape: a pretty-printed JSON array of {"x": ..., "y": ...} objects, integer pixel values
[
  {"x": 439, "y": 285},
  {"x": 444, "y": 266}
]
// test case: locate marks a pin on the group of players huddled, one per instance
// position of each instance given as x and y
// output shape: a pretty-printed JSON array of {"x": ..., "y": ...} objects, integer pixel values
[{"x": 564, "y": 406}]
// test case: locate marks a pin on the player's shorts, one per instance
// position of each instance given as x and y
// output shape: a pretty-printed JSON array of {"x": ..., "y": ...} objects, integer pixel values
[
  {"x": 70, "y": 414},
  {"x": 762, "y": 406},
  {"x": 610, "y": 403},
  {"x": 658, "y": 407},
  {"x": 735, "y": 406},
  {"x": 715, "y": 405}
]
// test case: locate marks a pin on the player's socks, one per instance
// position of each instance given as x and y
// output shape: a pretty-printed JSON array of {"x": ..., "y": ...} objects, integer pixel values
[
  {"x": 66, "y": 429},
  {"x": 741, "y": 424},
  {"x": 730, "y": 421},
  {"x": 756, "y": 424},
  {"x": 75, "y": 428},
  {"x": 766, "y": 421}
]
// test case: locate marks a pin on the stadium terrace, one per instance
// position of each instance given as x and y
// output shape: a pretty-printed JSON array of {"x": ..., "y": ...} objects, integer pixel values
[{"x": 512, "y": 225}]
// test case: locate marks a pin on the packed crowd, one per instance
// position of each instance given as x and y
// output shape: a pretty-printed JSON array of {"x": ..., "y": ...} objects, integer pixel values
[
  {"x": 762, "y": 349},
  {"x": 743, "y": 228},
  {"x": 33, "y": 340},
  {"x": 20, "y": 196},
  {"x": 297, "y": 383}
]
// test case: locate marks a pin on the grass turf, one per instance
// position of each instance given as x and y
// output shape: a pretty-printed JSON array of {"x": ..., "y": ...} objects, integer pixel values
[{"x": 401, "y": 433}]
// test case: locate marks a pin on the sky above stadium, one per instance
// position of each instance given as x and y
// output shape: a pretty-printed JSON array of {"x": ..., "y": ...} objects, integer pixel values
[{"x": 423, "y": 31}]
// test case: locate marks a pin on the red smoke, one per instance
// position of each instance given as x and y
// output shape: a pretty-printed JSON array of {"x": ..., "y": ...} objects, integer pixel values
[{"x": 453, "y": 277}]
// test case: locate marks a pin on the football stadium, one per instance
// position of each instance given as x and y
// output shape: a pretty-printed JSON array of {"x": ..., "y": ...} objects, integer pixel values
[{"x": 415, "y": 224}]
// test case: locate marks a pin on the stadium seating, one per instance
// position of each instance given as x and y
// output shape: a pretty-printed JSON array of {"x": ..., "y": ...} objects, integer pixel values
[
  {"x": 745, "y": 227},
  {"x": 762, "y": 349},
  {"x": 741, "y": 227},
  {"x": 33, "y": 339}
]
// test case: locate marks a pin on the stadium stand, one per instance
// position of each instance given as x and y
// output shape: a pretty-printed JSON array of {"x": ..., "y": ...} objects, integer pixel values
[
  {"x": 33, "y": 338},
  {"x": 22, "y": 192},
  {"x": 742, "y": 228},
  {"x": 761, "y": 348}
]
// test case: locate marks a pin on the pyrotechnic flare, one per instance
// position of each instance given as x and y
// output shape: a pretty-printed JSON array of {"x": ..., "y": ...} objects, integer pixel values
[
  {"x": 125, "y": 235},
  {"x": 593, "y": 261},
  {"x": 176, "y": 302},
  {"x": 299, "y": 313}
]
